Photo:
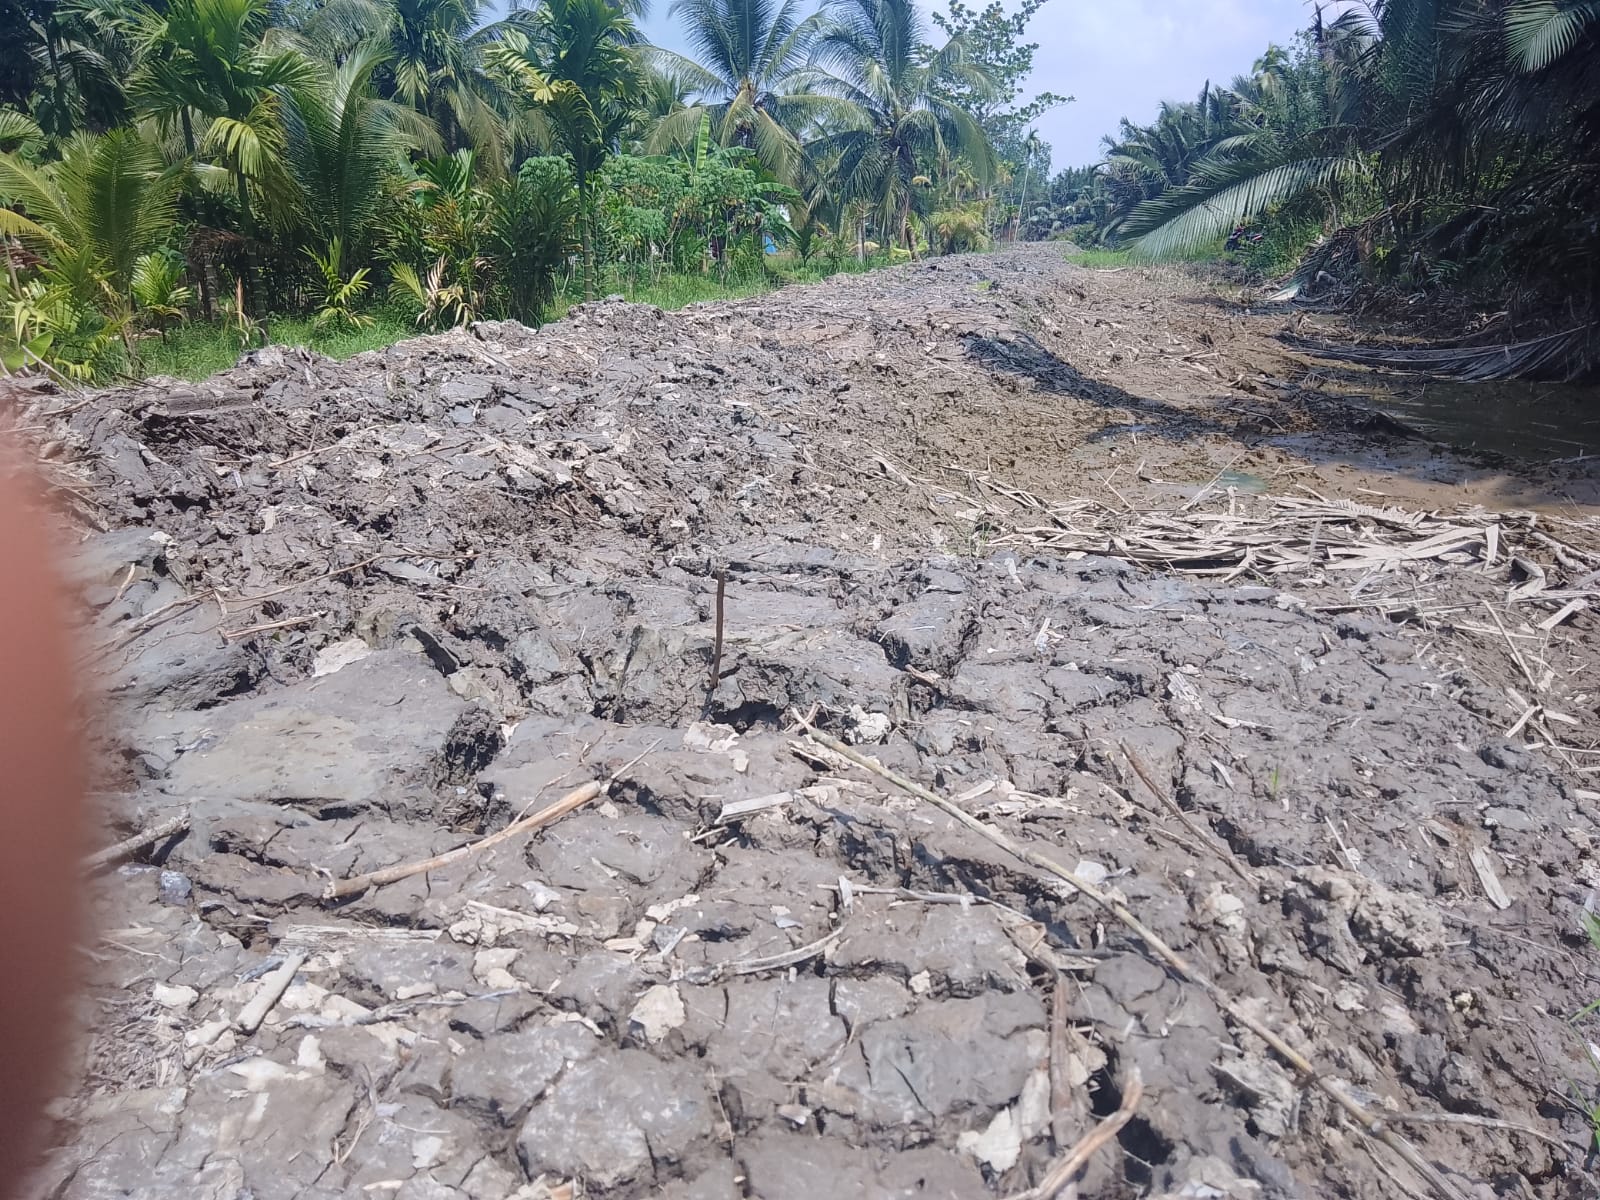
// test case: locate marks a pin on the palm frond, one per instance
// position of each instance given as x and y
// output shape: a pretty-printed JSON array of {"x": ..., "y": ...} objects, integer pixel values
[
  {"x": 1225, "y": 194},
  {"x": 1563, "y": 356},
  {"x": 17, "y": 130},
  {"x": 1538, "y": 32}
]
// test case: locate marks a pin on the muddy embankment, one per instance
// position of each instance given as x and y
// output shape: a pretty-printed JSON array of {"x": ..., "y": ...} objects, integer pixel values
[{"x": 1090, "y": 553}]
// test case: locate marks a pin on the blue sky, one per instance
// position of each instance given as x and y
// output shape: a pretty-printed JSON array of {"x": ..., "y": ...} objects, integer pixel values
[{"x": 1122, "y": 57}]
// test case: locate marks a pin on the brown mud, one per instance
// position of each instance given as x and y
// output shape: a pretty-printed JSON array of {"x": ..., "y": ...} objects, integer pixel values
[{"x": 1017, "y": 529}]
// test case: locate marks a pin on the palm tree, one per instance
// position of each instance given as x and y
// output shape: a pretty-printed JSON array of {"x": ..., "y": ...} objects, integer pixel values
[
  {"x": 66, "y": 65},
  {"x": 341, "y": 143},
  {"x": 1032, "y": 146},
  {"x": 576, "y": 65},
  {"x": 751, "y": 71},
  {"x": 101, "y": 216},
  {"x": 874, "y": 56},
  {"x": 213, "y": 68},
  {"x": 663, "y": 91},
  {"x": 435, "y": 64},
  {"x": 108, "y": 202},
  {"x": 1474, "y": 132}
]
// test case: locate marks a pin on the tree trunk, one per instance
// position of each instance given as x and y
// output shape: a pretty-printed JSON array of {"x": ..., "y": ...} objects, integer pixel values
[
  {"x": 1022, "y": 205},
  {"x": 203, "y": 277},
  {"x": 586, "y": 233},
  {"x": 247, "y": 264}
]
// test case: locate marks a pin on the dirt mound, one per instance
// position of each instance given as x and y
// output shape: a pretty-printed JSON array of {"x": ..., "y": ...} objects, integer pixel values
[{"x": 977, "y": 516}]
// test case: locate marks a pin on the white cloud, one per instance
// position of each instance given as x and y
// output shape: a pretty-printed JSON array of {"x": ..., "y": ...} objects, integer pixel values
[{"x": 1123, "y": 58}]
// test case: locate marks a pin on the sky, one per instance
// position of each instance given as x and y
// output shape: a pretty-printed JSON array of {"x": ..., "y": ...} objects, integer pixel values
[{"x": 1121, "y": 57}]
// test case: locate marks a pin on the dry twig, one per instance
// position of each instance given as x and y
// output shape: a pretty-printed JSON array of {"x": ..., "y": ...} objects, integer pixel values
[
  {"x": 1060, "y": 1175},
  {"x": 716, "y": 651},
  {"x": 1207, "y": 839},
  {"x": 338, "y": 889},
  {"x": 132, "y": 845},
  {"x": 1307, "y": 1071}
]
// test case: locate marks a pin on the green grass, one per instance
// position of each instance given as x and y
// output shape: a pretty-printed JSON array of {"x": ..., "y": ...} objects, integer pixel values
[
  {"x": 1099, "y": 258},
  {"x": 1102, "y": 258},
  {"x": 197, "y": 350}
]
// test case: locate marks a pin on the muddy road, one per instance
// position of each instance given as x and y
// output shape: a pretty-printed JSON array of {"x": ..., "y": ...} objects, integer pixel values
[{"x": 1092, "y": 554}]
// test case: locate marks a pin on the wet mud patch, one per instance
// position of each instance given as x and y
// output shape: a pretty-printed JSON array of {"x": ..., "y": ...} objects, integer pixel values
[{"x": 353, "y": 616}]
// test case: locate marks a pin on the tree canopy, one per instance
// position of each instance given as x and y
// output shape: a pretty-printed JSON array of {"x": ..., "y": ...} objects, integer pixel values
[{"x": 251, "y": 157}]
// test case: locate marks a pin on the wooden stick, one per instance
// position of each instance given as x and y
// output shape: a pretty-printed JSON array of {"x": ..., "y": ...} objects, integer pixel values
[
  {"x": 272, "y": 989},
  {"x": 288, "y": 623},
  {"x": 1303, "y": 1066},
  {"x": 1207, "y": 839},
  {"x": 1060, "y": 1175},
  {"x": 1060, "y": 1089},
  {"x": 716, "y": 650},
  {"x": 131, "y": 845},
  {"x": 337, "y": 889}
]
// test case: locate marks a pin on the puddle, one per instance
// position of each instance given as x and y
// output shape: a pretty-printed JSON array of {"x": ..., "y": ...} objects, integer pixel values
[
  {"x": 1536, "y": 422},
  {"x": 1242, "y": 481}
]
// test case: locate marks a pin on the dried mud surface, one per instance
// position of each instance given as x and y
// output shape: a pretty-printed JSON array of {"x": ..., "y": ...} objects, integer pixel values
[{"x": 350, "y": 615}]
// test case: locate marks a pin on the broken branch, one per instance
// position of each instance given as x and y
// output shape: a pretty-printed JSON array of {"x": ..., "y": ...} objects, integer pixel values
[
  {"x": 716, "y": 650},
  {"x": 1061, "y": 1174},
  {"x": 272, "y": 989},
  {"x": 339, "y": 888},
  {"x": 130, "y": 846}
]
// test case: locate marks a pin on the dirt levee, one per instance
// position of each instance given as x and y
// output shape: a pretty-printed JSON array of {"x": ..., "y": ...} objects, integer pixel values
[{"x": 1088, "y": 553}]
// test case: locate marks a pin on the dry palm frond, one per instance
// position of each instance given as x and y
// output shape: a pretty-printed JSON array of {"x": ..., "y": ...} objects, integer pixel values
[{"x": 1562, "y": 356}]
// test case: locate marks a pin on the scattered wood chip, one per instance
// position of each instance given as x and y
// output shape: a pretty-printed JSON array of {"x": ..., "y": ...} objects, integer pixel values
[{"x": 1483, "y": 866}]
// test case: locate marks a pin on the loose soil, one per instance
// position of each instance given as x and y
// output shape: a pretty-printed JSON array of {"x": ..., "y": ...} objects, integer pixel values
[{"x": 351, "y": 615}]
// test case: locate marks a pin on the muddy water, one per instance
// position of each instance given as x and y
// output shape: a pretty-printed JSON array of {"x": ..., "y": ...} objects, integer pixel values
[{"x": 1536, "y": 422}]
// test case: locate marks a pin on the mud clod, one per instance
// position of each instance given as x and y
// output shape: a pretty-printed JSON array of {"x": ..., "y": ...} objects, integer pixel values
[{"x": 351, "y": 615}]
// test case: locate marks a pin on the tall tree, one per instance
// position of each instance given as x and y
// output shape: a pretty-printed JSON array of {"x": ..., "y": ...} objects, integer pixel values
[
  {"x": 996, "y": 43},
  {"x": 576, "y": 65},
  {"x": 875, "y": 57},
  {"x": 340, "y": 144},
  {"x": 216, "y": 71},
  {"x": 65, "y": 62},
  {"x": 750, "y": 67}
]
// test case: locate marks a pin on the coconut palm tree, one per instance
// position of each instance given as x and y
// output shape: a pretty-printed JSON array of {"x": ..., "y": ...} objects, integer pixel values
[
  {"x": 108, "y": 201},
  {"x": 341, "y": 142},
  {"x": 576, "y": 66},
  {"x": 750, "y": 68},
  {"x": 100, "y": 218},
  {"x": 65, "y": 63},
  {"x": 1475, "y": 130},
  {"x": 874, "y": 56},
  {"x": 216, "y": 70}
]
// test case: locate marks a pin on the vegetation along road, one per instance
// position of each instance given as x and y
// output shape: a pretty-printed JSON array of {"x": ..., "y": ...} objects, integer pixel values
[{"x": 704, "y": 625}]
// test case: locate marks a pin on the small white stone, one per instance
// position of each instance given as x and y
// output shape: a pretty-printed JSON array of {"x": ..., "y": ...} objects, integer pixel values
[
  {"x": 999, "y": 1146},
  {"x": 425, "y": 1151},
  {"x": 659, "y": 1011},
  {"x": 169, "y": 996},
  {"x": 339, "y": 654}
]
